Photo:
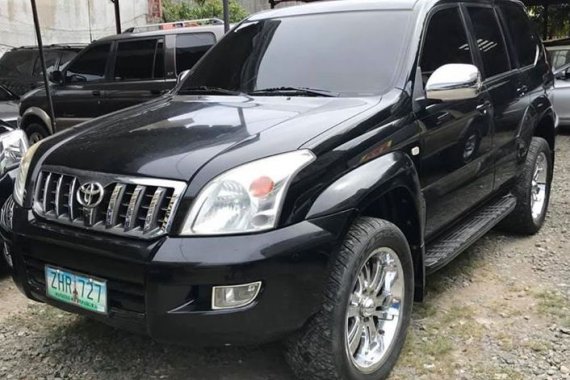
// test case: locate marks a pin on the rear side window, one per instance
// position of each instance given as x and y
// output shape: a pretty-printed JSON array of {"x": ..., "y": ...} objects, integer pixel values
[
  {"x": 445, "y": 42},
  {"x": 522, "y": 35},
  {"x": 17, "y": 63},
  {"x": 89, "y": 66},
  {"x": 51, "y": 61},
  {"x": 489, "y": 40},
  {"x": 136, "y": 60},
  {"x": 190, "y": 48}
]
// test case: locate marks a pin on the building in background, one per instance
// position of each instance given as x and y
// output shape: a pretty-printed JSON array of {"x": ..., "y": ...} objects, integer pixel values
[{"x": 69, "y": 21}]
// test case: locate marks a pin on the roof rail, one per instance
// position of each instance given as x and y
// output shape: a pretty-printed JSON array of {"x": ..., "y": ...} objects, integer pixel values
[
  {"x": 174, "y": 25},
  {"x": 54, "y": 46}
]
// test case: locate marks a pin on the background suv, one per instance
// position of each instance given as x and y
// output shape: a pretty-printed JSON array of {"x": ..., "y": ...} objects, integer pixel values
[
  {"x": 300, "y": 183},
  {"x": 114, "y": 73},
  {"x": 20, "y": 68}
]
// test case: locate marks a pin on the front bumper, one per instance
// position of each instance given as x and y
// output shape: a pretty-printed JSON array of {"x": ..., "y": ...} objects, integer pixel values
[{"x": 163, "y": 288}]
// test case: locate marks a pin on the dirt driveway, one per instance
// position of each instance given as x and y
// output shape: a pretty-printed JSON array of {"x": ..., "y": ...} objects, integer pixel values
[{"x": 500, "y": 311}]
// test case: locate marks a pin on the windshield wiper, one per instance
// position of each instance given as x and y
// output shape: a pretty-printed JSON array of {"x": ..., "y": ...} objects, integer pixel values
[
  {"x": 212, "y": 90},
  {"x": 296, "y": 90}
]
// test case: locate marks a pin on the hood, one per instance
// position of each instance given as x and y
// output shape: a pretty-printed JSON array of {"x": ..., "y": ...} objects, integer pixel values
[{"x": 173, "y": 137}]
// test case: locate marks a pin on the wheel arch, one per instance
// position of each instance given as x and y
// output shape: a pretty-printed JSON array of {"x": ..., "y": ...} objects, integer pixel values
[
  {"x": 546, "y": 128},
  {"x": 386, "y": 188},
  {"x": 36, "y": 114}
]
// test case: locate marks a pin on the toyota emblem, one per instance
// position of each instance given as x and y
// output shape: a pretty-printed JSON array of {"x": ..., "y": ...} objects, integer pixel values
[{"x": 90, "y": 194}]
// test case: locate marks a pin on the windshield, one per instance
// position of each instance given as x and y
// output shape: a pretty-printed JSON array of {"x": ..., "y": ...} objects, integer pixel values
[{"x": 345, "y": 54}]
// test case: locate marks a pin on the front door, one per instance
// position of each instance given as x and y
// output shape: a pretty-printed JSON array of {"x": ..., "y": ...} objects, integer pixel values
[
  {"x": 79, "y": 98},
  {"x": 456, "y": 168}
]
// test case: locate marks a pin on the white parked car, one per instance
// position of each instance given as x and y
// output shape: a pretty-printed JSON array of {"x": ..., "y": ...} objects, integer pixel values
[{"x": 559, "y": 56}]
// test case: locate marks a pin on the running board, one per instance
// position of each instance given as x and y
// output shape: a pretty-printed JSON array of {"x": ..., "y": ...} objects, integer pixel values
[{"x": 451, "y": 244}]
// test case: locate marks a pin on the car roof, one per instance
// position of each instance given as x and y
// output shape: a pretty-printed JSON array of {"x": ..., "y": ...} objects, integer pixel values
[
  {"x": 218, "y": 30},
  {"x": 356, "y": 5}
]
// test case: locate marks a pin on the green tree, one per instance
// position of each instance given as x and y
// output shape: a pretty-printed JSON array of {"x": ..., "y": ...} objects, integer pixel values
[
  {"x": 197, "y": 9},
  {"x": 558, "y": 20}
]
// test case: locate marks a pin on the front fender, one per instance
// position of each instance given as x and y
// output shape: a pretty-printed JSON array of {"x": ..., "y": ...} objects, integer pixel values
[{"x": 367, "y": 183}]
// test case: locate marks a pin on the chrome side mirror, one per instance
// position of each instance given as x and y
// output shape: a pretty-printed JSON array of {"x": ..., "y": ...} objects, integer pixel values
[{"x": 454, "y": 82}]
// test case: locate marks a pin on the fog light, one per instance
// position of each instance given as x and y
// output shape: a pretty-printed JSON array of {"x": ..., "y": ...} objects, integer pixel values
[
  {"x": 7, "y": 255},
  {"x": 227, "y": 297}
]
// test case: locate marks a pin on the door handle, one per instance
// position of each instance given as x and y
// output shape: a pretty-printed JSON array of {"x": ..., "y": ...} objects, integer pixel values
[
  {"x": 483, "y": 107},
  {"x": 96, "y": 93}
]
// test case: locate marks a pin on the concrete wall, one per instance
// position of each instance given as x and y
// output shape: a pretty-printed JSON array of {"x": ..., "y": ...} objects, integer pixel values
[{"x": 65, "y": 21}]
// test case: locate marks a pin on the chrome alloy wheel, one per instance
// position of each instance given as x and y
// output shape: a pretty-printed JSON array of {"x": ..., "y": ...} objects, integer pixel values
[
  {"x": 539, "y": 187},
  {"x": 373, "y": 312}
]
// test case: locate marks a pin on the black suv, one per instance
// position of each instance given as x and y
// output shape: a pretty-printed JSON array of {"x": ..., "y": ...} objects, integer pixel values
[
  {"x": 21, "y": 69},
  {"x": 114, "y": 73},
  {"x": 301, "y": 182}
]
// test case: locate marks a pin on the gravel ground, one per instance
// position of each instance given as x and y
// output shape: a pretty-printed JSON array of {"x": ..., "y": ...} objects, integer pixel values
[{"x": 500, "y": 311}]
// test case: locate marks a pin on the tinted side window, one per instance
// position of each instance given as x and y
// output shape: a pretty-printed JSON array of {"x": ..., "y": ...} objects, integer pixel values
[
  {"x": 190, "y": 48},
  {"x": 489, "y": 40},
  {"x": 522, "y": 35},
  {"x": 135, "y": 60},
  {"x": 89, "y": 66},
  {"x": 17, "y": 63},
  {"x": 445, "y": 42},
  {"x": 51, "y": 61}
]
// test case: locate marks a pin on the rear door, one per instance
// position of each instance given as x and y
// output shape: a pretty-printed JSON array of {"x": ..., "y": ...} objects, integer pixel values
[
  {"x": 137, "y": 75},
  {"x": 456, "y": 153},
  {"x": 505, "y": 84},
  {"x": 79, "y": 97}
]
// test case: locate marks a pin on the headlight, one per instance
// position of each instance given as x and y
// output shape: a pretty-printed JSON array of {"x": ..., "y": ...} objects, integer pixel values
[
  {"x": 20, "y": 184},
  {"x": 247, "y": 198},
  {"x": 13, "y": 146}
]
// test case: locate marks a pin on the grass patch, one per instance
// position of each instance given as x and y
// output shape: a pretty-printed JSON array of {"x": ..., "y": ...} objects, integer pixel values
[
  {"x": 552, "y": 304},
  {"x": 537, "y": 345}
]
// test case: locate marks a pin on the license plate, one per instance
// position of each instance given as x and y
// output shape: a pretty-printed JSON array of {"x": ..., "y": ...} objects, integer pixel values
[{"x": 77, "y": 289}]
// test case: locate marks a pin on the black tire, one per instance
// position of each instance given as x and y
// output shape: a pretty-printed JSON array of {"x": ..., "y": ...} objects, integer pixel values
[
  {"x": 521, "y": 220},
  {"x": 318, "y": 350},
  {"x": 36, "y": 132}
]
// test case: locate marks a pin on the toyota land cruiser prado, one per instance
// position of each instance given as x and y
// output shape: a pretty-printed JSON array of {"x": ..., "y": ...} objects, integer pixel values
[{"x": 300, "y": 182}]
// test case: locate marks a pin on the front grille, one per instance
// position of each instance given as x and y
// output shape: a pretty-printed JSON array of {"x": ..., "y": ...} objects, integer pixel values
[
  {"x": 139, "y": 207},
  {"x": 123, "y": 297}
]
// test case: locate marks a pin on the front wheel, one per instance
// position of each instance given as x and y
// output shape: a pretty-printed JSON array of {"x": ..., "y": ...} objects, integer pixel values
[
  {"x": 36, "y": 132},
  {"x": 361, "y": 327}
]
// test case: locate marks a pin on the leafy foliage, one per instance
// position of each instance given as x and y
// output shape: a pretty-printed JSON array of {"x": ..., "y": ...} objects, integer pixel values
[
  {"x": 196, "y": 9},
  {"x": 558, "y": 20}
]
